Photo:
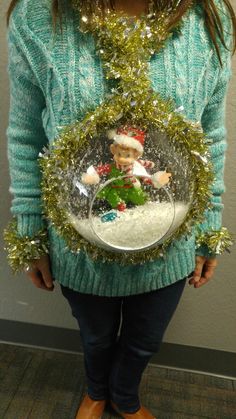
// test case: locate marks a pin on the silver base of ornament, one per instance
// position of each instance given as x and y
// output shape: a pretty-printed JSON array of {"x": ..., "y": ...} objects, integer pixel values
[{"x": 134, "y": 229}]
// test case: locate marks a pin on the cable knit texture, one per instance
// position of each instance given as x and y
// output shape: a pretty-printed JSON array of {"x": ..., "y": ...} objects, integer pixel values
[{"x": 54, "y": 80}]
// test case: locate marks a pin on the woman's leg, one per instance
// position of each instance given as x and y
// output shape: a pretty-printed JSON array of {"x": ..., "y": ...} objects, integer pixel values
[
  {"x": 99, "y": 320},
  {"x": 145, "y": 319}
]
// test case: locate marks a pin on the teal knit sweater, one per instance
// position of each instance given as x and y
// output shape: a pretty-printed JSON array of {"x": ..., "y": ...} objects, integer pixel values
[{"x": 54, "y": 80}]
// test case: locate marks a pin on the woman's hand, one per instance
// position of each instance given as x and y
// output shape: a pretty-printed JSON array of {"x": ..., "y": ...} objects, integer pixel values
[
  {"x": 204, "y": 271},
  {"x": 40, "y": 273}
]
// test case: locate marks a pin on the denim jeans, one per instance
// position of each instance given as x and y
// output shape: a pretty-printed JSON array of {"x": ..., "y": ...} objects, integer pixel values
[{"x": 114, "y": 364}]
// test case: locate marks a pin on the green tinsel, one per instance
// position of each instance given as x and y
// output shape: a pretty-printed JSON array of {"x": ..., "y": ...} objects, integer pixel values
[
  {"x": 22, "y": 251},
  {"x": 217, "y": 241}
]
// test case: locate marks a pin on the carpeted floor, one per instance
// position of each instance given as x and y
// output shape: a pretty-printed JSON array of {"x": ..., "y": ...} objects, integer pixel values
[{"x": 41, "y": 384}]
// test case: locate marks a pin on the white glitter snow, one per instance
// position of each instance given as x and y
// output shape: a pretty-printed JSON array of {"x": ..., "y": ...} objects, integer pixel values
[{"x": 133, "y": 229}]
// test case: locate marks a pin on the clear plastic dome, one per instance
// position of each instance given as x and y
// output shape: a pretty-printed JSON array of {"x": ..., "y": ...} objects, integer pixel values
[{"x": 128, "y": 191}]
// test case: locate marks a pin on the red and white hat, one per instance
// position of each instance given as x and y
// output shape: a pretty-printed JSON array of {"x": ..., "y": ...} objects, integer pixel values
[{"x": 129, "y": 137}]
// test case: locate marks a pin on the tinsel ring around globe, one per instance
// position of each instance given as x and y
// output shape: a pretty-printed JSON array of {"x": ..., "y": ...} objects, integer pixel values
[{"x": 128, "y": 191}]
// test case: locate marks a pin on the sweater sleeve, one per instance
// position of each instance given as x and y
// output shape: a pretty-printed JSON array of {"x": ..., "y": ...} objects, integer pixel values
[
  {"x": 213, "y": 124},
  {"x": 26, "y": 137}
]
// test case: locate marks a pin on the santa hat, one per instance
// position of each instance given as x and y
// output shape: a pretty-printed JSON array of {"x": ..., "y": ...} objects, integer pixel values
[{"x": 129, "y": 137}]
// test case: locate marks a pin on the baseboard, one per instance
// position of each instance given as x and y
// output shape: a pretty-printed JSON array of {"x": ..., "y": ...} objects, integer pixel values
[{"x": 171, "y": 355}]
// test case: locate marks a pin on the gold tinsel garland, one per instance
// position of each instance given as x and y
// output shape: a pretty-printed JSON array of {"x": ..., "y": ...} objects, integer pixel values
[
  {"x": 62, "y": 158},
  {"x": 23, "y": 250},
  {"x": 216, "y": 241},
  {"x": 125, "y": 46}
]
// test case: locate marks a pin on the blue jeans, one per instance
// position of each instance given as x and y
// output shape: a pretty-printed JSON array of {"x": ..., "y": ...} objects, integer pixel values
[{"x": 114, "y": 364}]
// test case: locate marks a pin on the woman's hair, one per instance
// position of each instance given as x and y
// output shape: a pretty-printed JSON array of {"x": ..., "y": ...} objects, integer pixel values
[{"x": 212, "y": 17}]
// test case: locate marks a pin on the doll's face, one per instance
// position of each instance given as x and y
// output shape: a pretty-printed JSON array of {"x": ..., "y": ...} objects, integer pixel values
[{"x": 124, "y": 155}]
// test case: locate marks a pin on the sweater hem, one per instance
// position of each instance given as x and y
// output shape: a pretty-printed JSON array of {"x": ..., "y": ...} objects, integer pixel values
[
  {"x": 158, "y": 284},
  {"x": 82, "y": 274}
]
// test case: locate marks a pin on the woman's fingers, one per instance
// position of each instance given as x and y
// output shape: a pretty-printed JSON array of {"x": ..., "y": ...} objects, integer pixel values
[
  {"x": 210, "y": 266},
  {"x": 200, "y": 260},
  {"x": 37, "y": 279},
  {"x": 40, "y": 273},
  {"x": 204, "y": 271},
  {"x": 46, "y": 273}
]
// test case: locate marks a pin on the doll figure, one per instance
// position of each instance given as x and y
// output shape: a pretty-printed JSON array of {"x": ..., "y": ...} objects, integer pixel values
[{"x": 127, "y": 148}]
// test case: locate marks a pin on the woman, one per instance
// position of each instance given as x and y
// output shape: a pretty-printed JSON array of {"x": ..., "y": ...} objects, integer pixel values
[{"x": 55, "y": 78}]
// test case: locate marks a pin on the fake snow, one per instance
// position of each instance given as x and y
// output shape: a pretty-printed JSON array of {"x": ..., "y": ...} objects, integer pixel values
[{"x": 133, "y": 229}]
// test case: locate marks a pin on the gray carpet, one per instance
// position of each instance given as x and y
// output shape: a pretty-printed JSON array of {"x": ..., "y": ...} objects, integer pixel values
[{"x": 41, "y": 384}]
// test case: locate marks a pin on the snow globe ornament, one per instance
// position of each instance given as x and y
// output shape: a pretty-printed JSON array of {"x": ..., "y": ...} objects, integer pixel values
[{"x": 130, "y": 189}]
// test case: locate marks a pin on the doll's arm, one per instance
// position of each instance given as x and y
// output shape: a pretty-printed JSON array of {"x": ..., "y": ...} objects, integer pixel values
[
  {"x": 92, "y": 176},
  {"x": 158, "y": 179},
  {"x": 148, "y": 164}
]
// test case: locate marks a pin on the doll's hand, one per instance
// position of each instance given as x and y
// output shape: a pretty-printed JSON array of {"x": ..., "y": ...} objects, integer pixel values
[
  {"x": 160, "y": 179},
  {"x": 40, "y": 274},
  {"x": 204, "y": 271},
  {"x": 164, "y": 178},
  {"x": 90, "y": 179}
]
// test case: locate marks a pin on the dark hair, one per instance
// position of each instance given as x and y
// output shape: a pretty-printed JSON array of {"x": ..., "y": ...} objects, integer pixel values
[{"x": 212, "y": 18}]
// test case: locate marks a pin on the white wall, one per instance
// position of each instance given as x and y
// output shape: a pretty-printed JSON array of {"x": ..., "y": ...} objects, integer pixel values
[{"x": 205, "y": 317}]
